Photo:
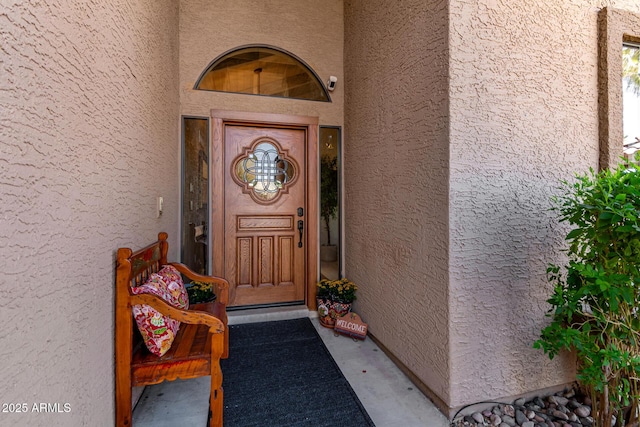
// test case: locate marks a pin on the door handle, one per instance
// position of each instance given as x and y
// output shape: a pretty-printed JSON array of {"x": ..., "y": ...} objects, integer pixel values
[{"x": 300, "y": 229}]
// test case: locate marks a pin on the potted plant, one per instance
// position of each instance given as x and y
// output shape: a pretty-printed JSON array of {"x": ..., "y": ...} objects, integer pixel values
[
  {"x": 328, "y": 202},
  {"x": 594, "y": 305},
  {"x": 200, "y": 292},
  {"x": 334, "y": 298}
]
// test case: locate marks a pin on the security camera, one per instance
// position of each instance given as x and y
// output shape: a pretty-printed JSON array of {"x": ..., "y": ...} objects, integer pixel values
[{"x": 331, "y": 83}]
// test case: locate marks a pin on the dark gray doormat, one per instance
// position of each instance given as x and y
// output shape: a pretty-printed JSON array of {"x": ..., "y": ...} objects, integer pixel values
[{"x": 280, "y": 374}]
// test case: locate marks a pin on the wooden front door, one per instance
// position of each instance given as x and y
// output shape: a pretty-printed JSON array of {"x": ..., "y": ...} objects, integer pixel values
[{"x": 265, "y": 238}]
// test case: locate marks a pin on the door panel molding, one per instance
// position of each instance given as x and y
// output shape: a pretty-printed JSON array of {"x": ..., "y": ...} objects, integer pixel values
[{"x": 265, "y": 222}]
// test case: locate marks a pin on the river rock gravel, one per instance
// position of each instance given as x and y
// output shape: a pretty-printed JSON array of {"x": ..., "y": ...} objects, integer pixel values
[{"x": 563, "y": 409}]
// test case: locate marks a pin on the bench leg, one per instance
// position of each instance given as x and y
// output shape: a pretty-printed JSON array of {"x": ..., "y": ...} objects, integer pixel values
[
  {"x": 225, "y": 352},
  {"x": 123, "y": 407},
  {"x": 215, "y": 414},
  {"x": 216, "y": 398}
]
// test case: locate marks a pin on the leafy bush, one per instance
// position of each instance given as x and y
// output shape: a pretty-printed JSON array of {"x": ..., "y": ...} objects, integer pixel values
[{"x": 596, "y": 296}]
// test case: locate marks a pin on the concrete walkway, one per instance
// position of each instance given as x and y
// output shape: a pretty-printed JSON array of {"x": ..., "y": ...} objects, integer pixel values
[{"x": 386, "y": 393}]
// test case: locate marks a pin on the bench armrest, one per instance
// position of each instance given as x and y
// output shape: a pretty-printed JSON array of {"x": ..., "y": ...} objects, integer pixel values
[
  {"x": 220, "y": 286},
  {"x": 186, "y": 316}
]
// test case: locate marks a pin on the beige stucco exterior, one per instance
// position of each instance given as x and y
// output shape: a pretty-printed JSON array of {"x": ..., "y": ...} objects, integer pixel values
[
  {"x": 396, "y": 176},
  {"x": 89, "y": 114},
  {"x": 311, "y": 30},
  {"x": 524, "y": 116},
  {"x": 460, "y": 118},
  {"x": 469, "y": 113}
]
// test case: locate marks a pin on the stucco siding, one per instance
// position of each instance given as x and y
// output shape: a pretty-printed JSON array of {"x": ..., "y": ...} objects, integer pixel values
[
  {"x": 524, "y": 116},
  {"x": 312, "y": 31},
  {"x": 88, "y": 140},
  {"x": 460, "y": 119},
  {"x": 396, "y": 179}
]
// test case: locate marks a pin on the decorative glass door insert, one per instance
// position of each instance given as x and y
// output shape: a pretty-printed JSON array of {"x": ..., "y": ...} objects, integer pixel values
[{"x": 264, "y": 172}]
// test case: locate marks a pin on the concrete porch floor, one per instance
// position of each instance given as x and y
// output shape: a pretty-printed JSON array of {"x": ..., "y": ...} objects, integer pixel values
[{"x": 387, "y": 394}]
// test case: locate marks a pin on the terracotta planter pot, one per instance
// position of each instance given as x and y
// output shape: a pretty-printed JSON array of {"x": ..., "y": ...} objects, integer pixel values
[{"x": 329, "y": 310}]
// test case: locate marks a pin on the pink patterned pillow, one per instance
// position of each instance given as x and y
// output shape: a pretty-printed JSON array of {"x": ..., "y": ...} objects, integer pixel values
[{"x": 158, "y": 331}]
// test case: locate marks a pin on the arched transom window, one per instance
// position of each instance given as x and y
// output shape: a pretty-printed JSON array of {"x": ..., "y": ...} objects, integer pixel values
[{"x": 261, "y": 70}]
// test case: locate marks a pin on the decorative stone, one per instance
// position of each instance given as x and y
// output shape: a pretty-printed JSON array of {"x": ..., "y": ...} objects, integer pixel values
[
  {"x": 529, "y": 414},
  {"x": 496, "y": 420},
  {"x": 477, "y": 417},
  {"x": 509, "y": 410},
  {"x": 587, "y": 421},
  {"x": 520, "y": 417},
  {"x": 573, "y": 404},
  {"x": 528, "y": 424},
  {"x": 519, "y": 402},
  {"x": 468, "y": 420},
  {"x": 510, "y": 421},
  {"x": 583, "y": 411},
  {"x": 542, "y": 415},
  {"x": 558, "y": 400},
  {"x": 560, "y": 415}
]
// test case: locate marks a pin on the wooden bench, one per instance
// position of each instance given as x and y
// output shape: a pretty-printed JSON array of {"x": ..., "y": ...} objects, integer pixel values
[{"x": 198, "y": 346}]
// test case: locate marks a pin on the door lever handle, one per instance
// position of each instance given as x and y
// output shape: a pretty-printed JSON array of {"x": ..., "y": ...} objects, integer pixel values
[{"x": 300, "y": 229}]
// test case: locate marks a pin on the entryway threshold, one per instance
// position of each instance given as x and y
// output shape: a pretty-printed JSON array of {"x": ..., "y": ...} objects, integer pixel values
[{"x": 268, "y": 314}]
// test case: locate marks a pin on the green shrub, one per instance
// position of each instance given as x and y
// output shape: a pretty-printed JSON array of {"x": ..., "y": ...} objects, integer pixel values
[{"x": 596, "y": 296}]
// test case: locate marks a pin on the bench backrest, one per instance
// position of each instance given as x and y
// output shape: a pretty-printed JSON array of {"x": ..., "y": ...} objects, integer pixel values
[
  {"x": 142, "y": 263},
  {"x": 133, "y": 269}
]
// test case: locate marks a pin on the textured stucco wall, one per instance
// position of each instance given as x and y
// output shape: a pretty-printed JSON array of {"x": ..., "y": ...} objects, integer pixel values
[
  {"x": 396, "y": 178},
  {"x": 449, "y": 234},
  {"x": 524, "y": 115},
  {"x": 311, "y": 30},
  {"x": 88, "y": 116}
]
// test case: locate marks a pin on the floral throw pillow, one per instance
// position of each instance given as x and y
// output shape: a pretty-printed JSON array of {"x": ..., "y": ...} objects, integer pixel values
[{"x": 158, "y": 331}]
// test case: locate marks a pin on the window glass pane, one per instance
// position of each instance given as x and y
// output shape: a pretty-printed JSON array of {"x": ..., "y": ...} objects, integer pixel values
[
  {"x": 631, "y": 99},
  {"x": 195, "y": 193},
  {"x": 263, "y": 71},
  {"x": 330, "y": 203},
  {"x": 265, "y": 171}
]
